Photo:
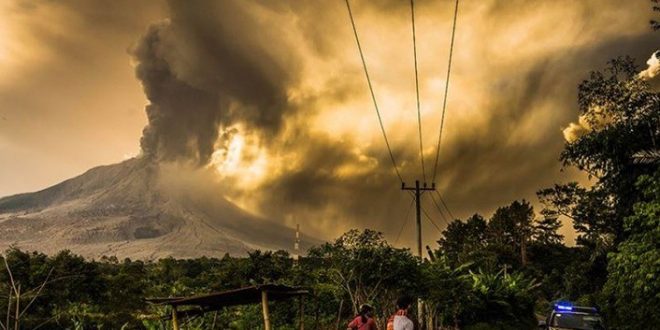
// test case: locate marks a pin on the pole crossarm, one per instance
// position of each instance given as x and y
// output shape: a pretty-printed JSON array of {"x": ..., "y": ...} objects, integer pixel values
[{"x": 423, "y": 188}]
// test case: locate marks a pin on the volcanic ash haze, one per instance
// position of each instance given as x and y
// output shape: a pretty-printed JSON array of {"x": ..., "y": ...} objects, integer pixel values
[
  {"x": 263, "y": 106},
  {"x": 131, "y": 210}
]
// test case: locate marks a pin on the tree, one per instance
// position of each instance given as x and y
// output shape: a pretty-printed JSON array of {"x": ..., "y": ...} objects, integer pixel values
[
  {"x": 513, "y": 225},
  {"x": 20, "y": 297},
  {"x": 545, "y": 231},
  {"x": 368, "y": 269},
  {"x": 619, "y": 118},
  {"x": 447, "y": 290},
  {"x": 633, "y": 283},
  {"x": 619, "y": 122},
  {"x": 590, "y": 210},
  {"x": 462, "y": 241}
]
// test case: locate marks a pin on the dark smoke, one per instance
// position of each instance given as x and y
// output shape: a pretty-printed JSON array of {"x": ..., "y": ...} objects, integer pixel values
[
  {"x": 183, "y": 120},
  {"x": 202, "y": 72}
]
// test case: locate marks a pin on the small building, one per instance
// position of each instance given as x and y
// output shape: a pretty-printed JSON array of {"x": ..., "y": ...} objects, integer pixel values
[{"x": 185, "y": 307}]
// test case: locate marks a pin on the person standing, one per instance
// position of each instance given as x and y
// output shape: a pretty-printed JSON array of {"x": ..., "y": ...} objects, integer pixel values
[
  {"x": 364, "y": 320},
  {"x": 400, "y": 320}
]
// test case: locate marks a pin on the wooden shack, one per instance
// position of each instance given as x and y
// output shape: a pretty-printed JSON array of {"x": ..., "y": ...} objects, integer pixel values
[{"x": 185, "y": 307}]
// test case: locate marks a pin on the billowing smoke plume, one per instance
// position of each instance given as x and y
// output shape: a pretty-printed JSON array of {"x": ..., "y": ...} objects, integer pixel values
[
  {"x": 202, "y": 73},
  {"x": 654, "y": 67},
  {"x": 595, "y": 119}
]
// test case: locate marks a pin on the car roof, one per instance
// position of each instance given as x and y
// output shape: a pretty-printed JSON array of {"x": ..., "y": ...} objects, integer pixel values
[
  {"x": 577, "y": 313},
  {"x": 577, "y": 310}
]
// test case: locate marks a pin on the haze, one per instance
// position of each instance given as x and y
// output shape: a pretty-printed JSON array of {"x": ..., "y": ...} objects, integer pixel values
[{"x": 267, "y": 101}]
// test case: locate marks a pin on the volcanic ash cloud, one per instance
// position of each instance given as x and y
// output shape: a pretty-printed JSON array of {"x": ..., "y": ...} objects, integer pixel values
[
  {"x": 653, "y": 69},
  {"x": 202, "y": 73}
]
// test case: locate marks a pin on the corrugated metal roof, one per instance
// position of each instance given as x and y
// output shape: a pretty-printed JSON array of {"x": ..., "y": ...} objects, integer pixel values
[{"x": 242, "y": 296}]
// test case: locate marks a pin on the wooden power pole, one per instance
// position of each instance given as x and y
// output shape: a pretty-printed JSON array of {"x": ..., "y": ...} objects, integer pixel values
[{"x": 418, "y": 194}]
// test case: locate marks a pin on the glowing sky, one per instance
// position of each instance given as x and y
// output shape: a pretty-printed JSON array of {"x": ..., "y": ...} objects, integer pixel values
[{"x": 297, "y": 139}]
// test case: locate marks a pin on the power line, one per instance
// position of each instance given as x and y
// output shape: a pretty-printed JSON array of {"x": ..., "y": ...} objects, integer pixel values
[
  {"x": 442, "y": 200},
  {"x": 419, "y": 114},
  {"x": 444, "y": 102},
  {"x": 371, "y": 90},
  {"x": 405, "y": 221},
  {"x": 431, "y": 220},
  {"x": 442, "y": 213}
]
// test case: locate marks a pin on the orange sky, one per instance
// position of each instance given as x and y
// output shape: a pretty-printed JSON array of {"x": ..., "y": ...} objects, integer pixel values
[{"x": 70, "y": 99}]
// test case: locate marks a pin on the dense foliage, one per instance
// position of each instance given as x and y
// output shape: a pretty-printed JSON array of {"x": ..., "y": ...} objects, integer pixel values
[
  {"x": 633, "y": 284},
  {"x": 358, "y": 267}
]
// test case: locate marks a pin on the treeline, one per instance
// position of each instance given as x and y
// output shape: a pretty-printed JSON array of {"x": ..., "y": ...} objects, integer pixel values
[{"x": 358, "y": 267}]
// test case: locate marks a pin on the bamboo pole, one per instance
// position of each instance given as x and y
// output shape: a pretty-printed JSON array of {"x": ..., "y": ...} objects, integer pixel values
[
  {"x": 264, "y": 307},
  {"x": 175, "y": 319}
]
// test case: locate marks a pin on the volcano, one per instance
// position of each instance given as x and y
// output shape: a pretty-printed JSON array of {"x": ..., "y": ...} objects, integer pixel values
[{"x": 124, "y": 210}]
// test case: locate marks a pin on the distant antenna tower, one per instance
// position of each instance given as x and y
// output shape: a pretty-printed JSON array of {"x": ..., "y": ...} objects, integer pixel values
[{"x": 296, "y": 245}]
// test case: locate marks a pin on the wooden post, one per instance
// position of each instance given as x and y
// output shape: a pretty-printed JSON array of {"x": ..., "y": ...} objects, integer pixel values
[
  {"x": 264, "y": 307},
  {"x": 175, "y": 319},
  {"x": 301, "y": 302}
]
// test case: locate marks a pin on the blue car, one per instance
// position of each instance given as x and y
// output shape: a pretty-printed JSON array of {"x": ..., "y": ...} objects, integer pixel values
[{"x": 565, "y": 316}]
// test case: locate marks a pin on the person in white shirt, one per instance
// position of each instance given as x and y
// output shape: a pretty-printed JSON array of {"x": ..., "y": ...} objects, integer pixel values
[{"x": 400, "y": 320}]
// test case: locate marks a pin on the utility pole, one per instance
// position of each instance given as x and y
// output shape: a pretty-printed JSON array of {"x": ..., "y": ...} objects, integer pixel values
[
  {"x": 418, "y": 194},
  {"x": 296, "y": 246}
]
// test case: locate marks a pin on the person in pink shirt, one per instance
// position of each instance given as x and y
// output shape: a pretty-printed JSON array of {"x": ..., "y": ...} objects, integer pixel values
[{"x": 364, "y": 320}]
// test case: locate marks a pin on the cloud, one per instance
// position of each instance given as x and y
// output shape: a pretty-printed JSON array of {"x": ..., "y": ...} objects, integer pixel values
[
  {"x": 284, "y": 77},
  {"x": 653, "y": 69},
  {"x": 595, "y": 119},
  {"x": 575, "y": 131}
]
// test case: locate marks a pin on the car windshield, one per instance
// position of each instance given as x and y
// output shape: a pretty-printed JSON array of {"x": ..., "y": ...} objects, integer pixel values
[{"x": 577, "y": 321}]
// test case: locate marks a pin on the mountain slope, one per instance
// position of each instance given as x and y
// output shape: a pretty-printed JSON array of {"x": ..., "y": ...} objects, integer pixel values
[{"x": 124, "y": 210}]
